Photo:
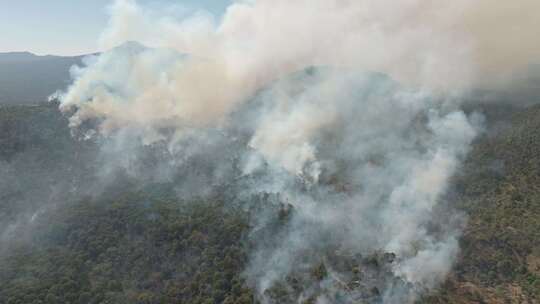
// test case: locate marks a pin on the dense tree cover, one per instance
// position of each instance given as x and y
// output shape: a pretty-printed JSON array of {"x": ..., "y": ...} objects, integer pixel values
[
  {"x": 146, "y": 246},
  {"x": 34, "y": 128},
  {"x": 40, "y": 162},
  {"x": 499, "y": 190},
  {"x": 143, "y": 249},
  {"x": 131, "y": 250}
]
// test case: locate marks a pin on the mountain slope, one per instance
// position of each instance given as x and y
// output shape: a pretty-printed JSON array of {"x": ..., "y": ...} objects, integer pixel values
[
  {"x": 70, "y": 254},
  {"x": 499, "y": 190},
  {"x": 26, "y": 78}
]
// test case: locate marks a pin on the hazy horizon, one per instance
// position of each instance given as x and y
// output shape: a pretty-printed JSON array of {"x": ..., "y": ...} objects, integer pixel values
[{"x": 68, "y": 28}]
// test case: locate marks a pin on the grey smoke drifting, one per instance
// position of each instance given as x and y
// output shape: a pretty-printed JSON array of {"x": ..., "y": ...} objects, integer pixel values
[{"x": 275, "y": 95}]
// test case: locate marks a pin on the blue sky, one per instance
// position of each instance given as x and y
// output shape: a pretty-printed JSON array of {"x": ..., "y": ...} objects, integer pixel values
[{"x": 66, "y": 27}]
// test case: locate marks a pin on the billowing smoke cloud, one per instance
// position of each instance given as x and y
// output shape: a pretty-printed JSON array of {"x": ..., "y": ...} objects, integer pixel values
[
  {"x": 281, "y": 90},
  {"x": 376, "y": 160}
]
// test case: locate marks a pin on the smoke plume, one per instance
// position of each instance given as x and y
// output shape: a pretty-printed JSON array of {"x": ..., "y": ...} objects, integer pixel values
[{"x": 347, "y": 112}]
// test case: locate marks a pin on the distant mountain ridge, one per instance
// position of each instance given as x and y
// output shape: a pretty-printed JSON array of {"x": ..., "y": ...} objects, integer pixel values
[
  {"x": 26, "y": 78},
  {"x": 19, "y": 57}
]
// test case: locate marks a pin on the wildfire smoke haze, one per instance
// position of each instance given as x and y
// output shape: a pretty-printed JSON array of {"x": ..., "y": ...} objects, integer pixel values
[{"x": 349, "y": 112}]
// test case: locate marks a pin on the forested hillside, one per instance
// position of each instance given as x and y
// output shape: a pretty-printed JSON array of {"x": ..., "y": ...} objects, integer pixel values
[
  {"x": 499, "y": 190},
  {"x": 131, "y": 250},
  {"x": 133, "y": 245}
]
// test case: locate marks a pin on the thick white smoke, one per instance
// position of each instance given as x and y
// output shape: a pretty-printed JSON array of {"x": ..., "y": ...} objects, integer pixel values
[
  {"x": 373, "y": 156},
  {"x": 394, "y": 150}
]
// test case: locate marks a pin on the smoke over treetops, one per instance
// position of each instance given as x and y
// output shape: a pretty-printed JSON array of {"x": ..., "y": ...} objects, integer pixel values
[{"x": 275, "y": 98}]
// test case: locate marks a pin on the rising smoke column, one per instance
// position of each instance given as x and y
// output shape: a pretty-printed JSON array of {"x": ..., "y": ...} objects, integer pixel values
[
  {"x": 244, "y": 84},
  {"x": 394, "y": 149}
]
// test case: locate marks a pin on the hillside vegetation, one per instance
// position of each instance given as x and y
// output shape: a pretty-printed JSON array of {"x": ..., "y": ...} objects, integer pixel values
[
  {"x": 499, "y": 189},
  {"x": 146, "y": 246}
]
